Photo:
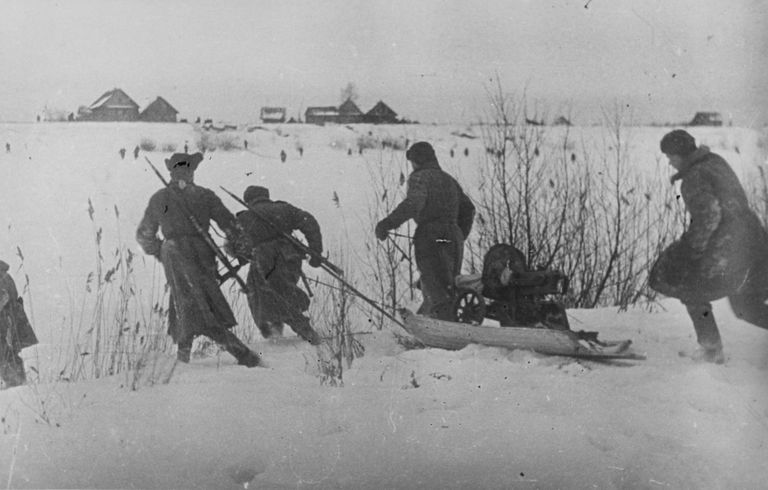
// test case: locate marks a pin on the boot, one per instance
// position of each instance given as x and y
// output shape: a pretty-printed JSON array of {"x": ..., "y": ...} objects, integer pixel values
[
  {"x": 241, "y": 352},
  {"x": 710, "y": 345},
  {"x": 304, "y": 330}
]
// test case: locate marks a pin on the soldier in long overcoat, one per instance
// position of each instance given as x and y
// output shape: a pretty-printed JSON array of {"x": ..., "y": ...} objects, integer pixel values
[
  {"x": 722, "y": 253},
  {"x": 197, "y": 305},
  {"x": 443, "y": 216},
  {"x": 275, "y": 263},
  {"x": 15, "y": 331}
]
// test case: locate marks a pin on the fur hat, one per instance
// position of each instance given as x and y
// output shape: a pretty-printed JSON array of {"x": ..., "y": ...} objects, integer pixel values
[
  {"x": 678, "y": 142},
  {"x": 255, "y": 193},
  {"x": 184, "y": 160},
  {"x": 421, "y": 153}
]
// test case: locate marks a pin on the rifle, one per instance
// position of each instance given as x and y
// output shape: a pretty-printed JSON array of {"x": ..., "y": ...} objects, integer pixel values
[
  {"x": 326, "y": 265},
  {"x": 231, "y": 271}
]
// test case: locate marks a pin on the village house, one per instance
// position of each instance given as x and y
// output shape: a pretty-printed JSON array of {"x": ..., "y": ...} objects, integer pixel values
[
  {"x": 272, "y": 114},
  {"x": 113, "y": 105},
  {"x": 349, "y": 113},
  {"x": 707, "y": 119},
  {"x": 381, "y": 113},
  {"x": 321, "y": 115},
  {"x": 159, "y": 111}
]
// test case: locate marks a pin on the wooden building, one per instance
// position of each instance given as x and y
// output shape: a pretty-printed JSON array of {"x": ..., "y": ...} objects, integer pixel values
[
  {"x": 159, "y": 111},
  {"x": 272, "y": 114},
  {"x": 321, "y": 115},
  {"x": 113, "y": 105},
  {"x": 381, "y": 113},
  {"x": 349, "y": 113}
]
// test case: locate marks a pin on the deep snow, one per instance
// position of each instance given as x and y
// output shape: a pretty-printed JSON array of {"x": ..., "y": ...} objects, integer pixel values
[{"x": 477, "y": 418}]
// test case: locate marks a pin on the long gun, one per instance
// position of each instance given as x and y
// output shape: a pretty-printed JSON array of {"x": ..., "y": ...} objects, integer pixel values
[
  {"x": 327, "y": 266},
  {"x": 231, "y": 270}
]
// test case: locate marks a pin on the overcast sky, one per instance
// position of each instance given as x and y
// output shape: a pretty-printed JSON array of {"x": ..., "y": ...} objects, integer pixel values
[{"x": 429, "y": 60}]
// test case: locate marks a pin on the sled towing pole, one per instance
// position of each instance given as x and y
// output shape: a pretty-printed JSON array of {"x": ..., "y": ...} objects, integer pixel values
[
  {"x": 326, "y": 265},
  {"x": 231, "y": 271}
]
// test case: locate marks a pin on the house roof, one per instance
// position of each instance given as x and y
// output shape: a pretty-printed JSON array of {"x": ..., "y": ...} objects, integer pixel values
[
  {"x": 114, "y": 99},
  {"x": 381, "y": 109},
  {"x": 273, "y": 110},
  {"x": 349, "y": 108},
  {"x": 162, "y": 104}
]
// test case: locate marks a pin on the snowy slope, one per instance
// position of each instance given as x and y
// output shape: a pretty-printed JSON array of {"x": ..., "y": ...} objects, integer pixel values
[{"x": 477, "y": 418}]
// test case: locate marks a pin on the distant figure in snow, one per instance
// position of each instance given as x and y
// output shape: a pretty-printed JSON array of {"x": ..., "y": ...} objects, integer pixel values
[
  {"x": 301, "y": 151},
  {"x": 186, "y": 147},
  {"x": 724, "y": 251},
  {"x": 349, "y": 151},
  {"x": 136, "y": 152},
  {"x": 245, "y": 144},
  {"x": 15, "y": 331},
  {"x": 196, "y": 305},
  {"x": 451, "y": 152},
  {"x": 443, "y": 216},
  {"x": 122, "y": 153},
  {"x": 466, "y": 151},
  {"x": 275, "y": 263},
  {"x": 7, "y": 147},
  {"x": 283, "y": 156}
]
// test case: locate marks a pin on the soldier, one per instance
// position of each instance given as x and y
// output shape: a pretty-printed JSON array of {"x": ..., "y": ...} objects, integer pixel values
[
  {"x": 15, "y": 331},
  {"x": 136, "y": 150},
  {"x": 724, "y": 251},
  {"x": 275, "y": 263},
  {"x": 196, "y": 305},
  {"x": 443, "y": 216}
]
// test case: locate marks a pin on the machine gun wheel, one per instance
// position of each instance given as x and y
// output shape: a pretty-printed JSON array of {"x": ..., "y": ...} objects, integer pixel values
[{"x": 469, "y": 308}]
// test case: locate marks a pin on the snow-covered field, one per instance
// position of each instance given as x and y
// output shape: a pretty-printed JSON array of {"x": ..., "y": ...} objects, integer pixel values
[{"x": 477, "y": 418}]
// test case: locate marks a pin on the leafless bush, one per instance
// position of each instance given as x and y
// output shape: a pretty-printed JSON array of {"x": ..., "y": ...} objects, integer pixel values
[
  {"x": 147, "y": 144},
  {"x": 587, "y": 212}
]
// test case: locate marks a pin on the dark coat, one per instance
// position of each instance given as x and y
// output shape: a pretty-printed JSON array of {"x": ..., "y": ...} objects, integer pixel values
[
  {"x": 196, "y": 303},
  {"x": 15, "y": 331},
  {"x": 443, "y": 216},
  {"x": 724, "y": 250},
  {"x": 275, "y": 263}
]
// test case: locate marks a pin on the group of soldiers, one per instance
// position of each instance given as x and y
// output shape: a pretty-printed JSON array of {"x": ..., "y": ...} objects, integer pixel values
[
  {"x": 260, "y": 236},
  {"x": 723, "y": 253}
]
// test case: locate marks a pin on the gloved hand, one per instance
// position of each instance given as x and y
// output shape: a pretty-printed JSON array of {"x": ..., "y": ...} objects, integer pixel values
[
  {"x": 381, "y": 230},
  {"x": 315, "y": 260}
]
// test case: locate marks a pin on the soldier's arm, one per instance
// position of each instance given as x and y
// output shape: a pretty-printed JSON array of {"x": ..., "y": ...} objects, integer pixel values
[
  {"x": 222, "y": 216},
  {"x": 414, "y": 202},
  {"x": 466, "y": 213},
  {"x": 704, "y": 209},
  {"x": 309, "y": 227},
  {"x": 146, "y": 233}
]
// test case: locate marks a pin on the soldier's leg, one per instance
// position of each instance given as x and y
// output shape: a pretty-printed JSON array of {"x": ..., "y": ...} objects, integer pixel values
[
  {"x": 436, "y": 265},
  {"x": 750, "y": 308},
  {"x": 300, "y": 324},
  {"x": 229, "y": 341},
  {"x": 11, "y": 367},
  {"x": 707, "y": 333},
  {"x": 184, "y": 350}
]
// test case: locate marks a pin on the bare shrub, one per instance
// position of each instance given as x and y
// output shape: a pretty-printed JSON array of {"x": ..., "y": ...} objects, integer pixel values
[
  {"x": 585, "y": 211},
  {"x": 147, "y": 144}
]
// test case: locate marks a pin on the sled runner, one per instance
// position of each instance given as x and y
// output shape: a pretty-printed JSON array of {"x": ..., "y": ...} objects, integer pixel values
[
  {"x": 524, "y": 302},
  {"x": 454, "y": 335}
]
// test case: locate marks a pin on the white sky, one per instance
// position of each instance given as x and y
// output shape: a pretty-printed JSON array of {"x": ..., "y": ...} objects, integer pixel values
[{"x": 429, "y": 60}]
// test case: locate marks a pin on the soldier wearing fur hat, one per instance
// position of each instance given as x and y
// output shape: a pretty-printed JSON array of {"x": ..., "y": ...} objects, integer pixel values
[
  {"x": 724, "y": 250},
  {"x": 275, "y": 263},
  {"x": 443, "y": 216},
  {"x": 15, "y": 331},
  {"x": 196, "y": 305}
]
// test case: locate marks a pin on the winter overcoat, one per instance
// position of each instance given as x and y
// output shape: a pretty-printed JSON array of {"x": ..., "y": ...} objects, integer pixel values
[
  {"x": 15, "y": 331},
  {"x": 724, "y": 250},
  {"x": 443, "y": 216},
  {"x": 196, "y": 303},
  {"x": 275, "y": 263}
]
